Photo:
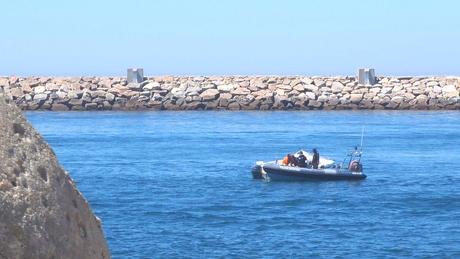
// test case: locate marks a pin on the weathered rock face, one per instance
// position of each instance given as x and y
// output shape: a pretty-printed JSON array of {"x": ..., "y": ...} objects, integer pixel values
[
  {"x": 232, "y": 93},
  {"x": 42, "y": 214}
]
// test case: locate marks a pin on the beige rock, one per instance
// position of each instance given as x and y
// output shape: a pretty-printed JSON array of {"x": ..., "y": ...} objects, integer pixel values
[
  {"x": 310, "y": 95},
  {"x": 223, "y": 102},
  {"x": 165, "y": 79},
  {"x": 259, "y": 84},
  {"x": 227, "y": 96},
  {"x": 39, "y": 89},
  {"x": 314, "y": 104},
  {"x": 52, "y": 86},
  {"x": 234, "y": 106},
  {"x": 16, "y": 92},
  {"x": 263, "y": 94},
  {"x": 178, "y": 92},
  {"x": 397, "y": 99},
  {"x": 312, "y": 88},
  {"x": 333, "y": 101},
  {"x": 319, "y": 83},
  {"x": 307, "y": 80},
  {"x": 409, "y": 96},
  {"x": 134, "y": 86},
  {"x": 375, "y": 90},
  {"x": 323, "y": 98},
  {"x": 152, "y": 86},
  {"x": 347, "y": 89},
  {"x": 199, "y": 79},
  {"x": 299, "y": 88},
  {"x": 241, "y": 91},
  {"x": 4, "y": 81},
  {"x": 244, "y": 83},
  {"x": 209, "y": 95},
  {"x": 337, "y": 87},
  {"x": 369, "y": 96},
  {"x": 450, "y": 91},
  {"x": 432, "y": 83},
  {"x": 386, "y": 90},
  {"x": 295, "y": 82},
  {"x": 226, "y": 88},
  {"x": 356, "y": 98},
  {"x": 422, "y": 99},
  {"x": 43, "y": 215},
  {"x": 209, "y": 86}
]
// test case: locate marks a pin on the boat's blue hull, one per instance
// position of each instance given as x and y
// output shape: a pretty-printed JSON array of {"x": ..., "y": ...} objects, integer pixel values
[{"x": 276, "y": 172}]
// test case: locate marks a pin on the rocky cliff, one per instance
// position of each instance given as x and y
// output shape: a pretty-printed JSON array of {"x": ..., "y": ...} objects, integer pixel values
[
  {"x": 42, "y": 214},
  {"x": 233, "y": 93}
]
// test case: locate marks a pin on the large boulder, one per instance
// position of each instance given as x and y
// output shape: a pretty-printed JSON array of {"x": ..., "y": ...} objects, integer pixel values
[
  {"x": 210, "y": 95},
  {"x": 42, "y": 214},
  {"x": 450, "y": 91}
]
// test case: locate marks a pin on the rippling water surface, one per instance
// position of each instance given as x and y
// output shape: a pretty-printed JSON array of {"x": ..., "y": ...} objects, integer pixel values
[{"x": 178, "y": 184}]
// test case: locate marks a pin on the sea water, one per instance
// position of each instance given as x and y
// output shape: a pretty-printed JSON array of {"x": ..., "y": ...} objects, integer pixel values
[{"x": 178, "y": 184}]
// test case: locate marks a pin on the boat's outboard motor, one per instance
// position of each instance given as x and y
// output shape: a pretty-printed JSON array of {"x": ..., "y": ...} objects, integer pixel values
[{"x": 355, "y": 166}]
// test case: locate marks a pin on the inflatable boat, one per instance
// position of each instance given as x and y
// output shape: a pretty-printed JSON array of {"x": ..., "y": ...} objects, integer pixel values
[{"x": 350, "y": 169}]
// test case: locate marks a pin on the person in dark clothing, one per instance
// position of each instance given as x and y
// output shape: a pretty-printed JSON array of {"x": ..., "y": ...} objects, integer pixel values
[
  {"x": 315, "y": 160},
  {"x": 291, "y": 160},
  {"x": 301, "y": 160}
]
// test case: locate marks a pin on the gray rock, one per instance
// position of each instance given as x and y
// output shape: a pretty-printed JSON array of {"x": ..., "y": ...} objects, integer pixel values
[
  {"x": 193, "y": 90},
  {"x": 106, "y": 105},
  {"x": 39, "y": 89},
  {"x": 178, "y": 92},
  {"x": 314, "y": 104},
  {"x": 135, "y": 86},
  {"x": 392, "y": 105},
  {"x": 76, "y": 102},
  {"x": 74, "y": 95},
  {"x": 59, "y": 107},
  {"x": 91, "y": 106},
  {"x": 61, "y": 95},
  {"x": 152, "y": 86},
  {"x": 54, "y": 96},
  {"x": 40, "y": 97},
  {"x": 42, "y": 213},
  {"x": 110, "y": 97}
]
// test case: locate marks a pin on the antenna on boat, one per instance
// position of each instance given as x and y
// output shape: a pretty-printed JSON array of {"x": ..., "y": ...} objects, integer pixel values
[{"x": 362, "y": 137}]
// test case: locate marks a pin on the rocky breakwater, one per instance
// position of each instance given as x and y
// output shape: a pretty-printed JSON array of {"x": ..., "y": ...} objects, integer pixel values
[
  {"x": 232, "y": 93},
  {"x": 42, "y": 214}
]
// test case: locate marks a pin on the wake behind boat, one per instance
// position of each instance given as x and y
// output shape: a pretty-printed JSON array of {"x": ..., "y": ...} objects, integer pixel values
[{"x": 324, "y": 169}]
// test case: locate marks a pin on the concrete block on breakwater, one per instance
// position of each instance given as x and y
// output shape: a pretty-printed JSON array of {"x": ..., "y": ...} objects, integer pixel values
[{"x": 232, "y": 93}]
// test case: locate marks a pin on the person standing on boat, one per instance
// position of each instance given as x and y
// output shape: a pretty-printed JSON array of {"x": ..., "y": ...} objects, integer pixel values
[{"x": 315, "y": 160}]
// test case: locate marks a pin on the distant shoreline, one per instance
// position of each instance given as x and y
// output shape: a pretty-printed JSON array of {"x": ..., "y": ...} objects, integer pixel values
[{"x": 233, "y": 93}]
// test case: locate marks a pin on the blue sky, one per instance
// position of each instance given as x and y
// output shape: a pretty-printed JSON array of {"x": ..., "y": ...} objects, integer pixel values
[{"x": 237, "y": 37}]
